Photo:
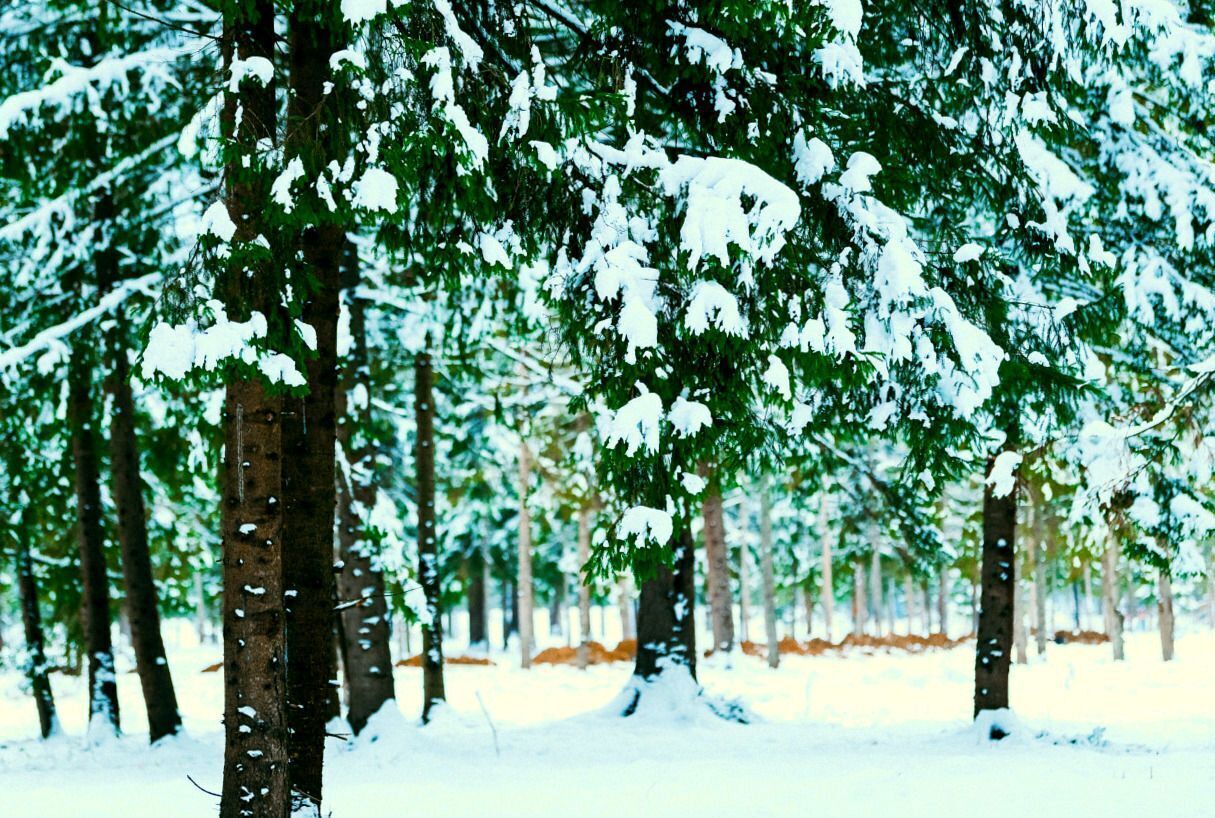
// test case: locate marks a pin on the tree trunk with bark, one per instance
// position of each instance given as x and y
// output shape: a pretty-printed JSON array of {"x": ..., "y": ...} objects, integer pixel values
[
  {"x": 1113, "y": 616},
  {"x": 36, "y": 670},
  {"x": 1039, "y": 552},
  {"x": 912, "y": 602},
  {"x": 994, "y": 644},
  {"x": 721, "y": 601},
  {"x": 584, "y": 588},
  {"x": 827, "y": 590},
  {"x": 665, "y": 626},
  {"x": 524, "y": 590},
  {"x": 256, "y": 772},
  {"x": 428, "y": 553},
  {"x": 478, "y": 602},
  {"x": 103, "y": 687},
  {"x": 769, "y": 583},
  {"x": 628, "y": 621},
  {"x": 860, "y": 611},
  {"x": 143, "y": 614},
  {"x": 1165, "y": 605},
  {"x": 744, "y": 595},
  {"x": 943, "y": 601},
  {"x": 362, "y": 601},
  {"x": 310, "y": 421},
  {"x": 875, "y": 581}
]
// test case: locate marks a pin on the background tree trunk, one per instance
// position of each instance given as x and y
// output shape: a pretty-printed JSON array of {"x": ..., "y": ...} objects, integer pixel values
[
  {"x": 721, "y": 601},
  {"x": 628, "y": 622},
  {"x": 1109, "y": 598},
  {"x": 744, "y": 593},
  {"x": 1166, "y": 614},
  {"x": 912, "y": 601},
  {"x": 160, "y": 700},
  {"x": 860, "y": 611},
  {"x": 1039, "y": 551},
  {"x": 765, "y": 557},
  {"x": 665, "y": 623},
  {"x": 1020, "y": 638},
  {"x": 943, "y": 600},
  {"x": 478, "y": 602},
  {"x": 875, "y": 581},
  {"x": 994, "y": 645},
  {"x": 584, "y": 588},
  {"x": 36, "y": 670},
  {"x": 827, "y": 590},
  {"x": 428, "y": 553},
  {"x": 366, "y": 656},
  {"x": 103, "y": 687},
  {"x": 524, "y": 590}
]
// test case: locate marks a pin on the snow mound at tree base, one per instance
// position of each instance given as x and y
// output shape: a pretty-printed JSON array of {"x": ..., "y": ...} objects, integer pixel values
[{"x": 674, "y": 696}]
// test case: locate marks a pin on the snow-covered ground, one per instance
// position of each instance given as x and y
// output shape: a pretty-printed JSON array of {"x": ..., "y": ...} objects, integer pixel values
[{"x": 860, "y": 735}]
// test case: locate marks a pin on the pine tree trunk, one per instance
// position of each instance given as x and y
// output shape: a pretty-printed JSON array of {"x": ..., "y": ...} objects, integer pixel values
[
  {"x": 365, "y": 629},
  {"x": 1020, "y": 638},
  {"x": 912, "y": 600},
  {"x": 310, "y": 421},
  {"x": 1038, "y": 511},
  {"x": 994, "y": 645},
  {"x": 769, "y": 583},
  {"x": 478, "y": 602},
  {"x": 721, "y": 601},
  {"x": 744, "y": 595},
  {"x": 665, "y": 625},
  {"x": 428, "y": 555},
  {"x": 808, "y": 605},
  {"x": 875, "y": 582},
  {"x": 628, "y": 624},
  {"x": 584, "y": 588},
  {"x": 256, "y": 772},
  {"x": 36, "y": 669},
  {"x": 524, "y": 590},
  {"x": 827, "y": 590},
  {"x": 926, "y": 608},
  {"x": 103, "y": 687},
  {"x": 143, "y": 614},
  {"x": 1165, "y": 592},
  {"x": 860, "y": 611},
  {"x": 943, "y": 601}
]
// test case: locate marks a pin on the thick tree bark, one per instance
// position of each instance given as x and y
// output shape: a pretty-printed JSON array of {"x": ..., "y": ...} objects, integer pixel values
[
  {"x": 584, "y": 588},
  {"x": 721, "y": 601},
  {"x": 478, "y": 606},
  {"x": 366, "y": 657},
  {"x": 994, "y": 645},
  {"x": 827, "y": 590},
  {"x": 256, "y": 772},
  {"x": 160, "y": 700},
  {"x": 665, "y": 626},
  {"x": 524, "y": 590},
  {"x": 428, "y": 551},
  {"x": 769, "y": 582},
  {"x": 1165, "y": 606},
  {"x": 36, "y": 669},
  {"x": 310, "y": 421},
  {"x": 103, "y": 687}
]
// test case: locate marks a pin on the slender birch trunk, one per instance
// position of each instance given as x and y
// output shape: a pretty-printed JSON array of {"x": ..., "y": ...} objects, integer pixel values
[
  {"x": 827, "y": 590},
  {"x": 524, "y": 589},
  {"x": 1167, "y": 622},
  {"x": 584, "y": 588},
  {"x": 769, "y": 585}
]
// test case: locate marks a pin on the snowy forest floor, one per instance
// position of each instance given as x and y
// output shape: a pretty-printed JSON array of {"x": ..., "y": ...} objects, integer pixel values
[{"x": 853, "y": 735}]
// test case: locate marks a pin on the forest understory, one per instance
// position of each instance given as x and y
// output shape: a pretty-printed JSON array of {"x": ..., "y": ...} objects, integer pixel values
[{"x": 857, "y": 734}]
